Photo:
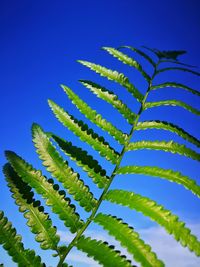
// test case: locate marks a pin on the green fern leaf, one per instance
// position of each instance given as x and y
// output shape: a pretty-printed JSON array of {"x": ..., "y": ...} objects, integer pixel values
[
  {"x": 175, "y": 85},
  {"x": 35, "y": 179},
  {"x": 114, "y": 76},
  {"x": 94, "y": 117},
  {"x": 60, "y": 170},
  {"x": 84, "y": 133},
  {"x": 129, "y": 239},
  {"x": 158, "y": 214},
  {"x": 170, "y": 146},
  {"x": 103, "y": 253},
  {"x": 141, "y": 53},
  {"x": 127, "y": 60},
  {"x": 111, "y": 98},
  {"x": 170, "y": 175},
  {"x": 12, "y": 243},
  {"x": 37, "y": 220},
  {"x": 178, "y": 68},
  {"x": 172, "y": 103},
  {"x": 164, "y": 125},
  {"x": 83, "y": 159}
]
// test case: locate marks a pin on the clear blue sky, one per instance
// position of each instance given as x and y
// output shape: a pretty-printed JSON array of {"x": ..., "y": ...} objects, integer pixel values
[{"x": 40, "y": 43}]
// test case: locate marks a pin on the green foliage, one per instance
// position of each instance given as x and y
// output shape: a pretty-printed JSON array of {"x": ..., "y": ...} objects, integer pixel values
[
  {"x": 111, "y": 98},
  {"x": 170, "y": 175},
  {"x": 165, "y": 146},
  {"x": 175, "y": 85},
  {"x": 84, "y": 133},
  {"x": 86, "y": 161},
  {"x": 59, "y": 168},
  {"x": 157, "y": 213},
  {"x": 49, "y": 191},
  {"x": 129, "y": 239},
  {"x": 114, "y": 76},
  {"x": 95, "y": 117},
  {"x": 164, "y": 125},
  {"x": 37, "y": 220},
  {"x": 12, "y": 243},
  {"x": 102, "y": 252},
  {"x": 23, "y": 179},
  {"x": 172, "y": 103}
]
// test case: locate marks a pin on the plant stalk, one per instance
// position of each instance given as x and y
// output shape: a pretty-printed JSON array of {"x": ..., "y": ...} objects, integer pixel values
[{"x": 90, "y": 219}]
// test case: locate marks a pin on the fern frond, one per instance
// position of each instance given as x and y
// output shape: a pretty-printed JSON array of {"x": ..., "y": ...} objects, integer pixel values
[
  {"x": 178, "y": 68},
  {"x": 94, "y": 117},
  {"x": 84, "y": 133},
  {"x": 170, "y": 146},
  {"x": 129, "y": 239},
  {"x": 158, "y": 214},
  {"x": 111, "y": 98},
  {"x": 114, "y": 76},
  {"x": 84, "y": 160},
  {"x": 175, "y": 85},
  {"x": 141, "y": 53},
  {"x": 172, "y": 103},
  {"x": 127, "y": 60},
  {"x": 60, "y": 169},
  {"x": 103, "y": 253},
  {"x": 170, "y": 175},
  {"x": 60, "y": 205},
  {"x": 12, "y": 243},
  {"x": 164, "y": 125},
  {"x": 37, "y": 220}
]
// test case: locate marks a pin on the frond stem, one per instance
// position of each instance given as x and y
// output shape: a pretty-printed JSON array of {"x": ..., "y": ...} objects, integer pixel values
[{"x": 90, "y": 219}]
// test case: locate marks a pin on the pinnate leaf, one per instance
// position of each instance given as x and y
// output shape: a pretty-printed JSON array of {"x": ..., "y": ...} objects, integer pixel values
[
  {"x": 96, "y": 118},
  {"x": 114, "y": 76},
  {"x": 37, "y": 220},
  {"x": 103, "y": 253},
  {"x": 170, "y": 175},
  {"x": 84, "y": 133},
  {"x": 170, "y": 146},
  {"x": 83, "y": 159},
  {"x": 175, "y": 85},
  {"x": 111, "y": 98},
  {"x": 157, "y": 213},
  {"x": 164, "y": 125},
  {"x": 129, "y": 239},
  {"x": 60, "y": 205},
  {"x": 172, "y": 103},
  {"x": 60, "y": 169},
  {"x": 12, "y": 243},
  {"x": 127, "y": 60}
]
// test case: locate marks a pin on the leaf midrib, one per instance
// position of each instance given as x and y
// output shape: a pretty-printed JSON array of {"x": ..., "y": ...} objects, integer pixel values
[{"x": 90, "y": 219}]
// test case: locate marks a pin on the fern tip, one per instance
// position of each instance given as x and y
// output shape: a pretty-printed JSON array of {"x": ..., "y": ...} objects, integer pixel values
[
  {"x": 9, "y": 153},
  {"x": 62, "y": 86},
  {"x": 50, "y": 102}
]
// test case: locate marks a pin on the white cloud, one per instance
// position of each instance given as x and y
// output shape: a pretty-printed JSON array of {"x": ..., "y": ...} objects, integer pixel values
[
  {"x": 82, "y": 258},
  {"x": 65, "y": 236},
  {"x": 167, "y": 249}
]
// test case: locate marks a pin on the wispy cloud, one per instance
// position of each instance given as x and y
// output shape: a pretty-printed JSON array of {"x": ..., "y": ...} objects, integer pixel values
[
  {"x": 167, "y": 249},
  {"x": 65, "y": 236},
  {"x": 79, "y": 257}
]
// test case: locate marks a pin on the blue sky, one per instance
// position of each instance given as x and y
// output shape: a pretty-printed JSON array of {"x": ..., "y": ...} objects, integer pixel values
[{"x": 40, "y": 43}]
